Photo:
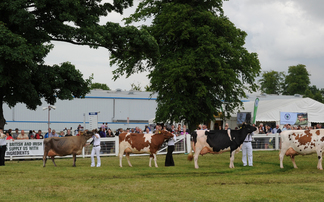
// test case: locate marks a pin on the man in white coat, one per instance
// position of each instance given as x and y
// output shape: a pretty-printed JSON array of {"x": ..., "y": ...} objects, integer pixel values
[
  {"x": 95, "y": 149},
  {"x": 247, "y": 149}
]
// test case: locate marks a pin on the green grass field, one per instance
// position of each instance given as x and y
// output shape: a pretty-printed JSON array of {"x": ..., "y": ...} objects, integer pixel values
[{"x": 213, "y": 181}]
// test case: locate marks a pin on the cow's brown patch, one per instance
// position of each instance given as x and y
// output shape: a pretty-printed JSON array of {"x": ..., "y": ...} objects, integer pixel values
[
  {"x": 303, "y": 139},
  {"x": 322, "y": 139}
]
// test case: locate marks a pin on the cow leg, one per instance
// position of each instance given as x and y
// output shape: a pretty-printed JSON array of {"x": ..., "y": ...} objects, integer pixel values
[
  {"x": 292, "y": 157},
  {"x": 232, "y": 159},
  {"x": 52, "y": 157},
  {"x": 127, "y": 157},
  {"x": 281, "y": 157},
  {"x": 150, "y": 162},
  {"x": 74, "y": 160},
  {"x": 320, "y": 158},
  {"x": 154, "y": 155},
  {"x": 45, "y": 157},
  {"x": 120, "y": 158},
  {"x": 196, "y": 155}
]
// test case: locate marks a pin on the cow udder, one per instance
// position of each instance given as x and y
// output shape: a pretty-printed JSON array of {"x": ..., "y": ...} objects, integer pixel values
[{"x": 52, "y": 153}]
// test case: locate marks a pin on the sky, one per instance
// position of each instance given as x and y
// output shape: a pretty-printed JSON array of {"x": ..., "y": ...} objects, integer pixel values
[{"x": 282, "y": 32}]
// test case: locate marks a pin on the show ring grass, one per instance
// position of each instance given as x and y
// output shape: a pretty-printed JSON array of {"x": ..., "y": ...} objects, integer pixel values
[{"x": 213, "y": 181}]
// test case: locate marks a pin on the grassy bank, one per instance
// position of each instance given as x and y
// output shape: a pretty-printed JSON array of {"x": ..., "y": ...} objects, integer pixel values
[{"x": 213, "y": 181}]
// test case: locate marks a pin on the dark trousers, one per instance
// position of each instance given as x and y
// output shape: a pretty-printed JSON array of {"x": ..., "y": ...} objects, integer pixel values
[
  {"x": 169, "y": 159},
  {"x": 2, "y": 154}
]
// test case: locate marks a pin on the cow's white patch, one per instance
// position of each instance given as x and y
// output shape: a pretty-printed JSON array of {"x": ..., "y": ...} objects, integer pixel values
[{"x": 148, "y": 137}]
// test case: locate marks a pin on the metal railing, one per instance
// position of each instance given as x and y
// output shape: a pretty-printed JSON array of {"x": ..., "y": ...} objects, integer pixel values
[{"x": 110, "y": 147}]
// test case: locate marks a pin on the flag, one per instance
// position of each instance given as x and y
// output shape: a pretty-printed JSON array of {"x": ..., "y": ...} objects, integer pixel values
[{"x": 256, "y": 104}]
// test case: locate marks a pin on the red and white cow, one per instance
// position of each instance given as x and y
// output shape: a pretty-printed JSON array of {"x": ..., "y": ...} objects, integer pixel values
[
  {"x": 141, "y": 143},
  {"x": 302, "y": 142}
]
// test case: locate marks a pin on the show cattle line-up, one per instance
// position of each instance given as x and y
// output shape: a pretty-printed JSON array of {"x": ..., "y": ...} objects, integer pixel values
[{"x": 294, "y": 140}]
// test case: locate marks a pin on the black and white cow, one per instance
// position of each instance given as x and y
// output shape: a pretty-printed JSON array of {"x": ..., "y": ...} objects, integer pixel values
[{"x": 217, "y": 142}]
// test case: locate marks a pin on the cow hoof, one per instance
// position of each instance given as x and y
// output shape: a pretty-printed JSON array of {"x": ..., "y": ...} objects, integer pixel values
[{"x": 74, "y": 166}]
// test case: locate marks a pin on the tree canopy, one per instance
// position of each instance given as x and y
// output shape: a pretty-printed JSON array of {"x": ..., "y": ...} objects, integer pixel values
[
  {"x": 272, "y": 82},
  {"x": 27, "y": 28},
  {"x": 297, "y": 80},
  {"x": 202, "y": 63},
  {"x": 102, "y": 86}
]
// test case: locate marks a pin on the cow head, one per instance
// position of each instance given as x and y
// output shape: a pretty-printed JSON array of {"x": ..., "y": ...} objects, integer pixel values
[
  {"x": 166, "y": 134},
  {"x": 88, "y": 134},
  {"x": 248, "y": 128}
]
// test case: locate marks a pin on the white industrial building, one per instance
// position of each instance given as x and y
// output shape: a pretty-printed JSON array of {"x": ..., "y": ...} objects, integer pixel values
[{"x": 120, "y": 109}]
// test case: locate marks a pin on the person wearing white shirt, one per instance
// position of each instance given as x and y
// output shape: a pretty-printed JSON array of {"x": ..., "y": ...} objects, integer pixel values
[
  {"x": 247, "y": 149},
  {"x": 95, "y": 148},
  {"x": 169, "y": 158}
]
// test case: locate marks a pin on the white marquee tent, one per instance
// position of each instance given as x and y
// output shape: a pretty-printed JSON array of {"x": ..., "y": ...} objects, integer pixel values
[{"x": 269, "y": 109}]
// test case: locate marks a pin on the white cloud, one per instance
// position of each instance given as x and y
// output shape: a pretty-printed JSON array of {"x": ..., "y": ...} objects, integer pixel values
[{"x": 283, "y": 33}]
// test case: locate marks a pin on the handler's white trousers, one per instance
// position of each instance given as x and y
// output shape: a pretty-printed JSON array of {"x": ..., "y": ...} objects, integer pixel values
[
  {"x": 95, "y": 151},
  {"x": 247, "y": 149}
]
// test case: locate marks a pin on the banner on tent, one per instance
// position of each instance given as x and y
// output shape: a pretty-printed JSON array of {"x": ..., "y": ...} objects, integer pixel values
[
  {"x": 293, "y": 118},
  {"x": 243, "y": 117}
]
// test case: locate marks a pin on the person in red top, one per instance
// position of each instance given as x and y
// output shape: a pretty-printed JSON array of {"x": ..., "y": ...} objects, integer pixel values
[
  {"x": 9, "y": 136},
  {"x": 39, "y": 135}
]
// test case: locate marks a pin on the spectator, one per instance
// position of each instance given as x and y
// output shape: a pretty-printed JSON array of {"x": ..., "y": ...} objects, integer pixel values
[
  {"x": 110, "y": 133},
  {"x": 9, "y": 131},
  {"x": 53, "y": 134},
  {"x": 173, "y": 129},
  {"x": 22, "y": 136},
  {"x": 184, "y": 130},
  {"x": 65, "y": 130},
  {"x": 9, "y": 137},
  {"x": 103, "y": 126},
  {"x": 147, "y": 131},
  {"x": 3, "y": 147},
  {"x": 39, "y": 135},
  {"x": 62, "y": 134},
  {"x": 31, "y": 135},
  {"x": 137, "y": 130},
  {"x": 79, "y": 133},
  {"x": 68, "y": 133},
  {"x": 16, "y": 133},
  {"x": 106, "y": 126},
  {"x": 276, "y": 129},
  {"x": 120, "y": 130},
  {"x": 102, "y": 132},
  {"x": 267, "y": 139},
  {"x": 48, "y": 133},
  {"x": 179, "y": 129}
]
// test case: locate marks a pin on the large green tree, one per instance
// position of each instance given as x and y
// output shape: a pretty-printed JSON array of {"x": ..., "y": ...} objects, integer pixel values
[
  {"x": 272, "y": 82},
  {"x": 202, "y": 64},
  {"x": 27, "y": 28},
  {"x": 297, "y": 80}
]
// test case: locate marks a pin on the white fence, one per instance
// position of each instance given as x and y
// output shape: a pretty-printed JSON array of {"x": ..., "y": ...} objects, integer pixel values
[{"x": 34, "y": 149}]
